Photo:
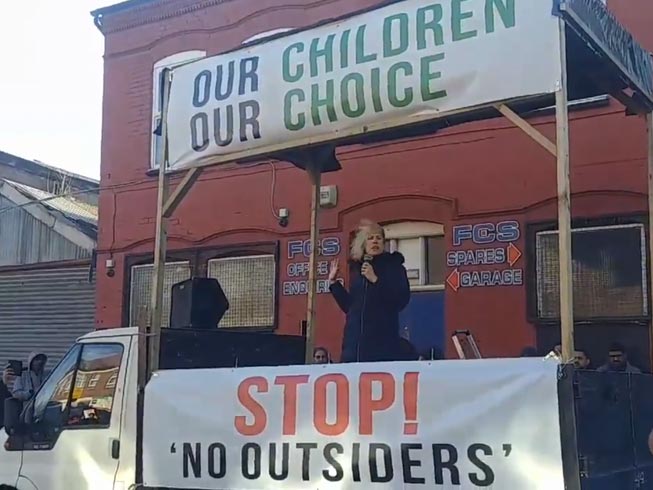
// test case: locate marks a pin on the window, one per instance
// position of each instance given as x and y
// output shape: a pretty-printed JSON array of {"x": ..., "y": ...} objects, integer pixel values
[
  {"x": 249, "y": 283},
  {"x": 423, "y": 247},
  {"x": 609, "y": 272},
  {"x": 156, "y": 152},
  {"x": 92, "y": 405},
  {"x": 92, "y": 383},
  {"x": 91, "y": 400},
  {"x": 51, "y": 401},
  {"x": 111, "y": 382},
  {"x": 141, "y": 288}
]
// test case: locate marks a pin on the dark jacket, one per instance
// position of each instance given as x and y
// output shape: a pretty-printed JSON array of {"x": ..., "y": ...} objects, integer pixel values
[
  {"x": 372, "y": 325},
  {"x": 4, "y": 394}
]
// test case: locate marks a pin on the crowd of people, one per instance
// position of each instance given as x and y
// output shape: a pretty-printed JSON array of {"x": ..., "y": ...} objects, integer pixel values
[{"x": 616, "y": 360}]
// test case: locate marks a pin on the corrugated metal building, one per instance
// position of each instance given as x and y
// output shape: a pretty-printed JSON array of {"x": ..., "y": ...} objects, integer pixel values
[{"x": 47, "y": 288}]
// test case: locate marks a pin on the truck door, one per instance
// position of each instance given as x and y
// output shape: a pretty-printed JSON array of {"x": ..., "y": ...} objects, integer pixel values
[
  {"x": 75, "y": 420},
  {"x": 9, "y": 463}
]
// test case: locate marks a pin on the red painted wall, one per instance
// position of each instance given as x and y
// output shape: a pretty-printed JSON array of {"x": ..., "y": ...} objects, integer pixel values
[{"x": 481, "y": 172}]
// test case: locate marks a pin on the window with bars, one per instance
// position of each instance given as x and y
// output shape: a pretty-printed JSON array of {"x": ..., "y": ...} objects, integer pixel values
[
  {"x": 249, "y": 284},
  {"x": 608, "y": 268},
  {"x": 141, "y": 288}
]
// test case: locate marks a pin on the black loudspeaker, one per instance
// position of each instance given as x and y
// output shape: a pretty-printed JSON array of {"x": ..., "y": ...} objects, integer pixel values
[
  {"x": 207, "y": 349},
  {"x": 198, "y": 303}
]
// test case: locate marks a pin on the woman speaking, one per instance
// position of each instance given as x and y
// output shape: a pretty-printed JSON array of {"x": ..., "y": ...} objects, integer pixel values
[{"x": 379, "y": 291}]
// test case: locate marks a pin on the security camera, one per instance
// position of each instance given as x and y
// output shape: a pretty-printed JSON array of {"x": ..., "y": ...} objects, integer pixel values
[
  {"x": 284, "y": 216},
  {"x": 110, "y": 267}
]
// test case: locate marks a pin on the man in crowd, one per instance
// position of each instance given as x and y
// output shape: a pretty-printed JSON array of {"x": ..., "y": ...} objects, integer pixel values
[
  {"x": 582, "y": 360},
  {"x": 321, "y": 356},
  {"x": 618, "y": 361},
  {"x": 28, "y": 383}
]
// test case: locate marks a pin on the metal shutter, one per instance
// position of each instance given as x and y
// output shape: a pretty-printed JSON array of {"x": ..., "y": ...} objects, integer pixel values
[{"x": 44, "y": 310}]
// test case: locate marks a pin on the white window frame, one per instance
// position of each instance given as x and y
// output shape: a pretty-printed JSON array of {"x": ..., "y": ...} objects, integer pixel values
[
  {"x": 415, "y": 229},
  {"x": 171, "y": 61},
  {"x": 643, "y": 256}
]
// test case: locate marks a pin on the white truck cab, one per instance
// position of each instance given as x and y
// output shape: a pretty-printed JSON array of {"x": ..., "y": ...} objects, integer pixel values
[{"x": 85, "y": 439}]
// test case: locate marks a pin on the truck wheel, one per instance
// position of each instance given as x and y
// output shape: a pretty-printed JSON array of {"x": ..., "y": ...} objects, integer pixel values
[{"x": 6, "y": 487}]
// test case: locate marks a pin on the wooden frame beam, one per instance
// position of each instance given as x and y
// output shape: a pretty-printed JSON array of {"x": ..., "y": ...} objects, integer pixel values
[
  {"x": 315, "y": 176},
  {"x": 527, "y": 128},
  {"x": 181, "y": 190},
  {"x": 564, "y": 206},
  {"x": 160, "y": 239},
  {"x": 560, "y": 150}
]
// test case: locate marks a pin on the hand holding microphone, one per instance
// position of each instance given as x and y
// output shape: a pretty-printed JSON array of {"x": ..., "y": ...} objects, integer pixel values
[{"x": 367, "y": 270}]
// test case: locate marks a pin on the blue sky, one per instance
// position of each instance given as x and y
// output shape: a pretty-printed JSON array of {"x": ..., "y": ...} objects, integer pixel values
[{"x": 51, "y": 82}]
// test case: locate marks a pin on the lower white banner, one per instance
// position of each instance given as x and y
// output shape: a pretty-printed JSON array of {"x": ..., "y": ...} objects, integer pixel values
[{"x": 445, "y": 425}]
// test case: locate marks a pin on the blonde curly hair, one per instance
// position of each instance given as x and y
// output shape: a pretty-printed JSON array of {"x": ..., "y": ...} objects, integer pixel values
[{"x": 365, "y": 228}]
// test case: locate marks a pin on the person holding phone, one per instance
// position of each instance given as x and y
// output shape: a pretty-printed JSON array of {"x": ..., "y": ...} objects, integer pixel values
[{"x": 30, "y": 380}]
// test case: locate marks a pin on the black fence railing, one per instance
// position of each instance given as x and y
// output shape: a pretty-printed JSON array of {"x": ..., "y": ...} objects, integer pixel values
[{"x": 607, "y": 419}]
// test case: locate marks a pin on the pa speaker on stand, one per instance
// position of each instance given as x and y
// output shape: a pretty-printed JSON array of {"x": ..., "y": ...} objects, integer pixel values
[{"x": 198, "y": 303}]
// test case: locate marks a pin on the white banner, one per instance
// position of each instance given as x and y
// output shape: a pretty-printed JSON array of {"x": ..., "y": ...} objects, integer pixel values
[
  {"x": 405, "y": 63},
  {"x": 443, "y": 425}
]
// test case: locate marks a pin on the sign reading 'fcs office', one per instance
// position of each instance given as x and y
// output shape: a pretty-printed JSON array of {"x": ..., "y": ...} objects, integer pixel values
[{"x": 408, "y": 62}]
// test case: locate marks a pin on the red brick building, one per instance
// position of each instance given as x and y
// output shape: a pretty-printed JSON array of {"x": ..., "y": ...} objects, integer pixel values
[{"x": 433, "y": 193}]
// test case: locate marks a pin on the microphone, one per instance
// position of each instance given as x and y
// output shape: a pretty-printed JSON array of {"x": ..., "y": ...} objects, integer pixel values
[{"x": 367, "y": 259}]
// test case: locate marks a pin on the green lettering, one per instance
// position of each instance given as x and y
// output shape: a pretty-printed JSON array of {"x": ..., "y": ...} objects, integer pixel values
[
  {"x": 457, "y": 18},
  {"x": 361, "y": 57},
  {"x": 376, "y": 90},
  {"x": 426, "y": 75},
  {"x": 431, "y": 23},
  {"x": 505, "y": 8},
  {"x": 326, "y": 52},
  {"x": 327, "y": 101},
  {"x": 359, "y": 90},
  {"x": 287, "y": 110},
  {"x": 392, "y": 84},
  {"x": 344, "y": 49},
  {"x": 389, "y": 49},
  {"x": 299, "y": 70}
]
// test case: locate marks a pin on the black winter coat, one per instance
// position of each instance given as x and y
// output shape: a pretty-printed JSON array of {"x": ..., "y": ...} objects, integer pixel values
[
  {"x": 4, "y": 394},
  {"x": 372, "y": 325}
]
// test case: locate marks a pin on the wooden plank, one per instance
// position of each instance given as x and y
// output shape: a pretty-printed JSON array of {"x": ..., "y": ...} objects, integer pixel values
[
  {"x": 315, "y": 176},
  {"x": 649, "y": 130},
  {"x": 160, "y": 240},
  {"x": 564, "y": 205},
  {"x": 527, "y": 128},
  {"x": 181, "y": 190}
]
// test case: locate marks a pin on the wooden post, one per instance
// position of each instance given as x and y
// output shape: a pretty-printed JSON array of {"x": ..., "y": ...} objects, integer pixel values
[
  {"x": 315, "y": 176},
  {"x": 161, "y": 235},
  {"x": 564, "y": 205},
  {"x": 142, "y": 342},
  {"x": 649, "y": 130}
]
